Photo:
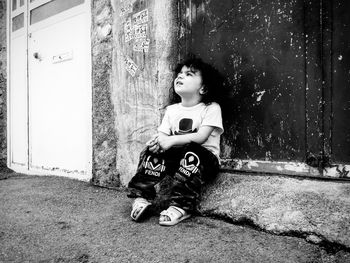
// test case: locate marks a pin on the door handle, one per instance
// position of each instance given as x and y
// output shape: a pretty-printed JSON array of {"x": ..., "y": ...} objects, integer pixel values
[{"x": 36, "y": 55}]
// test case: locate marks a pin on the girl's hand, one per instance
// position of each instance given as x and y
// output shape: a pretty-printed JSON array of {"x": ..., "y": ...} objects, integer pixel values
[{"x": 152, "y": 144}]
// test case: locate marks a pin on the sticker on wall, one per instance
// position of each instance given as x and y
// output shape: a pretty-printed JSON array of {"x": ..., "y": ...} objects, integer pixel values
[
  {"x": 141, "y": 45},
  {"x": 140, "y": 31},
  {"x": 126, "y": 8},
  {"x": 128, "y": 31},
  {"x": 130, "y": 66},
  {"x": 140, "y": 17}
]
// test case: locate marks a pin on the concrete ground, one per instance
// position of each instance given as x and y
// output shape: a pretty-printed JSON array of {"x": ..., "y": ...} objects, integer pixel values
[{"x": 55, "y": 219}]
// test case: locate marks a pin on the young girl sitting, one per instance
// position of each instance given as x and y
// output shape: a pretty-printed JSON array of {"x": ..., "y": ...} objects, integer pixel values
[{"x": 187, "y": 145}]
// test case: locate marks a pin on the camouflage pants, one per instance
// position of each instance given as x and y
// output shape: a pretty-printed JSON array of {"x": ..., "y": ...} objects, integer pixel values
[{"x": 190, "y": 167}]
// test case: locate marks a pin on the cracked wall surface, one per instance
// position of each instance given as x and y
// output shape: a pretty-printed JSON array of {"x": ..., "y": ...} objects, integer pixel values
[
  {"x": 104, "y": 137},
  {"x": 133, "y": 54}
]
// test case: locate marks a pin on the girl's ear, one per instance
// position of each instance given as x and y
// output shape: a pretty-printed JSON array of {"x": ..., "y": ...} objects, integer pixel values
[{"x": 203, "y": 90}]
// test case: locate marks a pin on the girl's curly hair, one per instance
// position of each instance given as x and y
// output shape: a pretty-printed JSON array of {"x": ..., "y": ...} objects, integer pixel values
[{"x": 211, "y": 79}]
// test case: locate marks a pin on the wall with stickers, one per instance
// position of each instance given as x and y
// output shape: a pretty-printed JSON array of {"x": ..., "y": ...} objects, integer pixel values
[{"x": 143, "y": 50}]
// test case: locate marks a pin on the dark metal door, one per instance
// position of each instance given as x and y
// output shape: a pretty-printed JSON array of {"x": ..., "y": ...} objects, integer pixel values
[{"x": 287, "y": 74}]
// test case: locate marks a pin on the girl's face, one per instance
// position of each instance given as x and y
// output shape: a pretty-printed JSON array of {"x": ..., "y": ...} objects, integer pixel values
[{"x": 188, "y": 82}]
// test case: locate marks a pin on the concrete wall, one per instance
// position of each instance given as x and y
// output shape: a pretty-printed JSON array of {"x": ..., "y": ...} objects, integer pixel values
[
  {"x": 142, "y": 74},
  {"x": 132, "y": 73},
  {"x": 3, "y": 77}
]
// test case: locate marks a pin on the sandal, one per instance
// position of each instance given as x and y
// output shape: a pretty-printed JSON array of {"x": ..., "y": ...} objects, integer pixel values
[
  {"x": 175, "y": 214},
  {"x": 139, "y": 207}
]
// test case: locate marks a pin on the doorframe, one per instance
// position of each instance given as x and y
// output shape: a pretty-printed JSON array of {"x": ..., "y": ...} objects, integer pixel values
[{"x": 85, "y": 8}]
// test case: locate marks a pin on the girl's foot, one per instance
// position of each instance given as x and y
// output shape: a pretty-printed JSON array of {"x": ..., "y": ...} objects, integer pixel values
[
  {"x": 139, "y": 207},
  {"x": 172, "y": 216}
]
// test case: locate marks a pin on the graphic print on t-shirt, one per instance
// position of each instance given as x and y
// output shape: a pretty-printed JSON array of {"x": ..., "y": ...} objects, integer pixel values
[{"x": 185, "y": 127}]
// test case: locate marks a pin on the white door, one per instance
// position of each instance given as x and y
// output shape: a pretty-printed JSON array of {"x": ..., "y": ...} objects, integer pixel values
[{"x": 58, "y": 111}]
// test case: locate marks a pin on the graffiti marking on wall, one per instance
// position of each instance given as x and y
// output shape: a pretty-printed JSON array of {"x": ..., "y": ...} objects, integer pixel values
[
  {"x": 141, "y": 45},
  {"x": 136, "y": 28},
  {"x": 126, "y": 8},
  {"x": 130, "y": 66},
  {"x": 140, "y": 17}
]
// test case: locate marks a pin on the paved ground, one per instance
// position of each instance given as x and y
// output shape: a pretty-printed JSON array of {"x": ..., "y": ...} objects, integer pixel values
[{"x": 54, "y": 219}]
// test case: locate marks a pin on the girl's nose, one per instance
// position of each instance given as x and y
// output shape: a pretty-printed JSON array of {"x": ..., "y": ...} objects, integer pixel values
[{"x": 180, "y": 75}]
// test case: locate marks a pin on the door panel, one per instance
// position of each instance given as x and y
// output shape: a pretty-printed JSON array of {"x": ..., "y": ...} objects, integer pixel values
[
  {"x": 18, "y": 99},
  {"x": 59, "y": 92}
]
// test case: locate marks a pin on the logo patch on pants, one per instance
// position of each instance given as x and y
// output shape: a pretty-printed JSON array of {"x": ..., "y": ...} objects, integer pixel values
[
  {"x": 154, "y": 166},
  {"x": 189, "y": 164}
]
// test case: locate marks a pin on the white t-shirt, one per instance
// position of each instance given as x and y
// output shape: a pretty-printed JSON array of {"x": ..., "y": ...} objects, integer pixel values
[{"x": 183, "y": 120}]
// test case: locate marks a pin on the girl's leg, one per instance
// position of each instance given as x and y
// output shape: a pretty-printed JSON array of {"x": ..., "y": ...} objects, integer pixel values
[
  {"x": 150, "y": 171},
  {"x": 197, "y": 166}
]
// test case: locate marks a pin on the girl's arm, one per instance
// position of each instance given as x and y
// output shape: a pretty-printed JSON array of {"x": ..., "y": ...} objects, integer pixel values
[{"x": 165, "y": 141}]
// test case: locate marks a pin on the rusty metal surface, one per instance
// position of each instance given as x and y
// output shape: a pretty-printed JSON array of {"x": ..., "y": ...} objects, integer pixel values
[
  {"x": 259, "y": 47},
  {"x": 313, "y": 80}
]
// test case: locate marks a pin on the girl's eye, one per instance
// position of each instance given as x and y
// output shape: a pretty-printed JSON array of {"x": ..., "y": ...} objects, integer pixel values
[{"x": 188, "y": 73}]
